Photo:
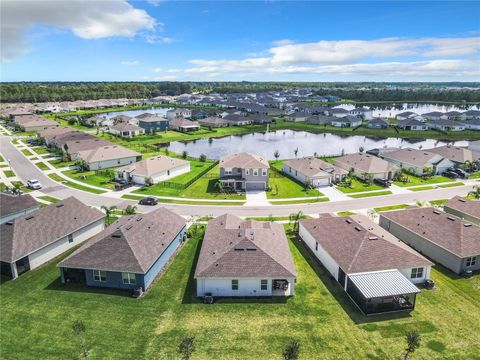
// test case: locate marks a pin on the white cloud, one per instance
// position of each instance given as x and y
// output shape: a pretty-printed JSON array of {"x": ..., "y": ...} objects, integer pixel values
[
  {"x": 446, "y": 58},
  {"x": 282, "y": 42},
  {"x": 161, "y": 70},
  {"x": 130, "y": 62},
  {"x": 86, "y": 19},
  {"x": 156, "y": 39}
]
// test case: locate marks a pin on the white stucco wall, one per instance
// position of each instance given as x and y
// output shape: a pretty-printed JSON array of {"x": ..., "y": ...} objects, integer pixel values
[
  {"x": 179, "y": 170},
  {"x": 112, "y": 163},
  {"x": 246, "y": 287}
]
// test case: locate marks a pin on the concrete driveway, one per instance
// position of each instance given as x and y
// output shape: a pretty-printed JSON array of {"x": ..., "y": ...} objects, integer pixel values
[{"x": 256, "y": 198}]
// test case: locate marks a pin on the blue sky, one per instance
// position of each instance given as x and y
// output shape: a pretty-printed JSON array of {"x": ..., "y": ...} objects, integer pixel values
[{"x": 294, "y": 41}]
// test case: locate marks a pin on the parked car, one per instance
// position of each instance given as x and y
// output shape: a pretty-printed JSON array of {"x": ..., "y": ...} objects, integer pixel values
[
  {"x": 460, "y": 172},
  {"x": 148, "y": 201},
  {"x": 34, "y": 184},
  {"x": 450, "y": 174},
  {"x": 34, "y": 142},
  {"x": 382, "y": 182}
]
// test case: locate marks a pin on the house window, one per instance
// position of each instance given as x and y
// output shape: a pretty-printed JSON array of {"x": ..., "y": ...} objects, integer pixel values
[
  {"x": 228, "y": 171},
  {"x": 471, "y": 261},
  {"x": 70, "y": 238},
  {"x": 263, "y": 284},
  {"x": 234, "y": 284},
  {"x": 128, "y": 278},
  {"x": 316, "y": 246},
  {"x": 247, "y": 171},
  {"x": 99, "y": 275},
  {"x": 417, "y": 273},
  {"x": 255, "y": 172},
  {"x": 264, "y": 172}
]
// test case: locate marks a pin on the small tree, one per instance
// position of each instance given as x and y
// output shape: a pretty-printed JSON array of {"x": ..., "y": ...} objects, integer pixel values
[
  {"x": 295, "y": 219},
  {"x": 81, "y": 165},
  {"x": 148, "y": 181},
  {"x": 167, "y": 152},
  {"x": 475, "y": 193},
  {"x": 219, "y": 186},
  {"x": 184, "y": 154},
  {"x": 203, "y": 158},
  {"x": 292, "y": 350},
  {"x": 186, "y": 347},
  {"x": 276, "y": 154},
  {"x": 276, "y": 189},
  {"x": 295, "y": 151},
  {"x": 108, "y": 211},
  {"x": 361, "y": 149},
  {"x": 372, "y": 214},
  {"x": 79, "y": 330},
  {"x": 130, "y": 210},
  {"x": 413, "y": 343}
]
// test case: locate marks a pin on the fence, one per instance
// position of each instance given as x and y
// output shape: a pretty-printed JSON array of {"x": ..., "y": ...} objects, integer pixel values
[{"x": 203, "y": 173}]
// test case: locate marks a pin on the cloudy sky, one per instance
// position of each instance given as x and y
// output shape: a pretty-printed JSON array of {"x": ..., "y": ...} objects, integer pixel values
[{"x": 117, "y": 40}]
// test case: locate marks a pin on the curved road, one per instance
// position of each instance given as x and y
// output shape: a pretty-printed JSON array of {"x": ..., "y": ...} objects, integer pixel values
[{"x": 27, "y": 170}]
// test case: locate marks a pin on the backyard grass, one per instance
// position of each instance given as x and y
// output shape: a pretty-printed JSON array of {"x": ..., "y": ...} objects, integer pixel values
[
  {"x": 3, "y": 187},
  {"x": 358, "y": 186},
  {"x": 50, "y": 199},
  {"x": 38, "y": 311},
  {"x": 370, "y": 194},
  {"x": 42, "y": 166},
  {"x": 95, "y": 178},
  {"x": 8, "y": 173},
  {"x": 71, "y": 184},
  {"x": 417, "y": 180},
  {"x": 284, "y": 187},
  {"x": 26, "y": 152},
  {"x": 391, "y": 207}
]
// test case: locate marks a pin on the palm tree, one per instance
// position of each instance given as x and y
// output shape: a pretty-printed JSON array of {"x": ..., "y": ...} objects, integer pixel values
[
  {"x": 108, "y": 211},
  {"x": 219, "y": 186},
  {"x": 295, "y": 219},
  {"x": 276, "y": 154},
  {"x": 422, "y": 204},
  {"x": 413, "y": 343},
  {"x": 475, "y": 193},
  {"x": 130, "y": 210},
  {"x": 295, "y": 151}
]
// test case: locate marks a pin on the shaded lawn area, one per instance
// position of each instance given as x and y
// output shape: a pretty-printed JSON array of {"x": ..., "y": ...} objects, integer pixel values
[
  {"x": 74, "y": 185},
  {"x": 38, "y": 311},
  {"x": 203, "y": 188},
  {"x": 417, "y": 180},
  {"x": 358, "y": 186},
  {"x": 98, "y": 178},
  {"x": 288, "y": 188}
]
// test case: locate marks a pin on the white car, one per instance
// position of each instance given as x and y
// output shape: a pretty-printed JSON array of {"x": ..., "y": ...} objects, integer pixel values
[{"x": 34, "y": 184}]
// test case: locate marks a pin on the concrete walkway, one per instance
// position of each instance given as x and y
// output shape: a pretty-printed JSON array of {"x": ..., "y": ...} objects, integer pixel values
[
  {"x": 256, "y": 198},
  {"x": 333, "y": 194}
]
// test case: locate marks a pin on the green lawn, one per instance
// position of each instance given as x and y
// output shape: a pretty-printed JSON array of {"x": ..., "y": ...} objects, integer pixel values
[
  {"x": 475, "y": 175},
  {"x": 99, "y": 178},
  {"x": 370, "y": 194},
  {"x": 358, "y": 186},
  {"x": 38, "y": 311},
  {"x": 3, "y": 187},
  {"x": 417, "y": 180},
  {"x": 306, "y": 201},
  {"x": 422, "y": 188},
  {"x": 74, "y": 185},
  {"x": 26, "y": 152},
  {"x": 42, "y": 166},
  {"x": 392, "y": 207},
  {"x": 41, "y": 150},
  {"x": 50, "y": 199},
  {"x": 22, "y": 186},
  {"x": 1, "y": 158},
  {"x": 284, "y": 187},
  {"x": 196, "y": 167},
  {"x": 451, "y": 185},
  {"x": 203, "y": 188},
  {"x": 9, "y": 173},
  {"x": 439, "y": 202},
  {"x": 59, "y": 163},
  {"x": 345, "y": 213}
]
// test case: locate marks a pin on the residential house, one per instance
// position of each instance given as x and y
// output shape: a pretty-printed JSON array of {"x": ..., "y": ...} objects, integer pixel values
[
  {"x": 297, "y": 116},
  {"x": 13, "y": 206},
  {"x": 456, "y": 154},
  {"x": 473, "y": 124},
  {"x": 244, "y": 258},
  {"x": 378, "y": 123},
  {"x": 474, "y": 146},
  {"x": 59, "y": 139},
  {"x": 417, "y": 161},
  {"x": 34, "y": 123},
  {"x": 412, "y": 125},
  {"x": 313, "y": 171},
  {"x": 468, "y": 210},
  {"x": 472, "y": 114},
  {"x": 31, "y": 240},
  {"x": 129, "y": 254},
  {"x": 184, "y": 125},
  {"x": 444, "y": 238},
  {"x": 434, "y": 115},
  {"x": 50, "y": 134},
  {"x": 179, "y": 114},
  {"x": 454, "y": 115},
  {"x": 237, "y": 120},
  {"x": 107, "y": 156},
  {"x": 153, "y": 124},
  {"x": 214, "y": 122},
  {"x": 124, "y": 129},
  {"x": 244, "y": 171},
  {"x": 73, "y": 147},
  {"x": 320, "y": 119},
  {"x": 338, "y": 112},
  {"x": 446, "y": 125},
  {"x": 365, "y": 165},
  {"x": 374, "y": 268},
  {"x": 261, "y": 119},
  {"x": 347, "y": 121},
  {"x": 406, "y": 115},
  {"x": 364, "y": 113},
  {"x": 157, "y": 168}
]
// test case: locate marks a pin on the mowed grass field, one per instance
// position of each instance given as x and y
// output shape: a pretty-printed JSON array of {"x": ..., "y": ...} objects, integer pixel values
[{"x": 37, "y": 313}]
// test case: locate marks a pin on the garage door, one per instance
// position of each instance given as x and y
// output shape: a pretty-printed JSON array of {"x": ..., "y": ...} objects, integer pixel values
[
  {"x": 320, "y": 182},
  {"x": 255, "y": 186}
]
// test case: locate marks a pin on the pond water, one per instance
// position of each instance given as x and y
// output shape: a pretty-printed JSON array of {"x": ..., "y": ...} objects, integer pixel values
[
  {"x": 390, "y": 110},
  {"x": 133, "y": 113},
  {"x": 286, "y": 141}
]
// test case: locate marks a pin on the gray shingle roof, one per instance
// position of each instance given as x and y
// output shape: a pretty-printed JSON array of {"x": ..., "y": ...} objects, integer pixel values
[
  {"x": 468, "y": 207},
  {"x": 11, "y": 204},
  {"x": 31, "y": 232},
  {"x": 233, "y": 247},
  {"x": 243, "y": 160},
  {"x": 131, "y": 244}
]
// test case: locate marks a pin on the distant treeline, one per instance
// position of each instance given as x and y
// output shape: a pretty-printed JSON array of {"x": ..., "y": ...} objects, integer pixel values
[{"x": 70, "y": 91}]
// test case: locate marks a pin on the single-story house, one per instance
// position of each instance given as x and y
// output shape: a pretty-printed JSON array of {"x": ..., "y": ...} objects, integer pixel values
[
  {"x": 59, "y": 140},
  {"x": 153, "y": 124},
  {"x": 244, "y": 171},
  {"x": 73, "y": 147},
  {"x": 468, "y": 210},
  {"x": 446, "y": 125},
  {"x": 179, "y": 114},
  {"x": 405, "y": 115},
  {"x": 364, "y": 113},
  {"x": 107, "y": 156},
  {"x": 367, "y": 165},
  {"x": 157, "y": 168},
  {"x": 34, "y": 123},
  {"x": 412, "y": 125},
  {"x": 378, "y": 123},
  {"x": 125, "y": 129},
  {"x": 49, "y": 135},
  {"x": 472, "y": 114},
  {"x": 184, "y": 125},
  {"x": 338, "y": 112},
  {"x": 416, "y": 161},
  {"x": 454, "y": 115},
  {"x": 129, "y": 254},
  {"x": 434, "y": 115},
  {"x": 347, "y": 121},
  {"x": 13, "y": 206},
  {"x": 261, "y": 119},
  {"x": 444, "y": 238},
  {"x": 375, "y": 269},
  {"x": 313, "y": 171},
  {"x": 456, "y": 154},
  {"x": 31, "y": 240},
  {"x": 245, "y": 258},
  {"x": 297, "y": 116},
  {"x": 238, "y": 120},
  {"x": 320, "y": 119},
  {"x": 214, "y": 122},
  {"x": 473, "y": 124}
]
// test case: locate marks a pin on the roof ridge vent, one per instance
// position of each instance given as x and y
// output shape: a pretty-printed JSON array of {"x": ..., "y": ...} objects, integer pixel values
[
  {"x": 349, "y": 221},
  {"x": 59, "y": 205},
  {"x": 436, "y": 212},
  {"x": 29, "y": 217},
  {"x": 467, "y": 224},
  {"x": 373, "y": 237},
  {"x": 451, "y": 218},
  {"x": 358, "y": 228},
  {"x": 462, "y": 200}
]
